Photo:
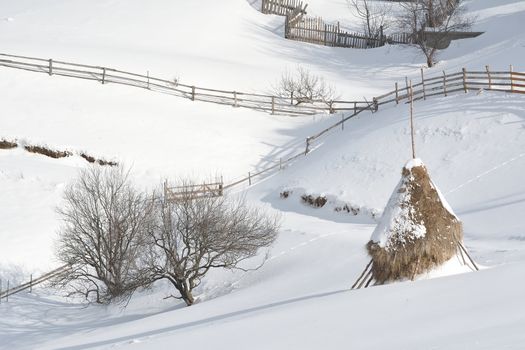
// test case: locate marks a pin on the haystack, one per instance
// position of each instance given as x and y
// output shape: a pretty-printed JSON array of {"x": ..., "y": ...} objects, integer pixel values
[{"x": 417, "y": 232}]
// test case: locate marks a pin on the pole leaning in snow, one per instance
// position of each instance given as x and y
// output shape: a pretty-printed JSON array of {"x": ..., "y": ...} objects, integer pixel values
[{"x": 411, "y": 96}]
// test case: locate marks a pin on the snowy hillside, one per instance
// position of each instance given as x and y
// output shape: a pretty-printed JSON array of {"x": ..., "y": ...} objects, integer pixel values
[{"x": 472, "y": 144}]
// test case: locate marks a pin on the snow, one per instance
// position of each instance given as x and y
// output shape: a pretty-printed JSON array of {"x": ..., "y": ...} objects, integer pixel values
[
  {"x": 471, "y": 143},
  {"x": 412, "y": 163},
  {"x": 397, "y": 221}
]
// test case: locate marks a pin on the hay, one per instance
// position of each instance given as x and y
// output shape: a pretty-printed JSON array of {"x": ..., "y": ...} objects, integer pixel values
[{"x": 417, "y": 236}]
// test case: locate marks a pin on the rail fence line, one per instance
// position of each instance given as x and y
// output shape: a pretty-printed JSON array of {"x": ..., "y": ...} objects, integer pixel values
[
  {"x": 260, "y": 102},
  {"x": 445, "y": 84},
  {"x": 5, "y": 294}
]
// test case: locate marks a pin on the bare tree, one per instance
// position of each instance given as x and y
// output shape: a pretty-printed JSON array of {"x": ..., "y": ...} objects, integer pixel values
[
  {"x": 373, "y": 16},
  {"x": 302, "y": 86},
  {"x": 105, "y": 225},
  {"x": 198, "y": 233},
  {"x": 431, "y": 22}
]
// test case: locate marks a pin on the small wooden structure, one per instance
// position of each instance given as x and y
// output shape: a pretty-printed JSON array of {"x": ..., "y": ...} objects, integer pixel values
[{"x": 205, "y": 190}]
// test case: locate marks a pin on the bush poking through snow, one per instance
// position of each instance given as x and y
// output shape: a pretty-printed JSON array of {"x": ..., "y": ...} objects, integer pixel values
[
  {"x": 48, "y": 152},
  {"x": 316, "y": 202},
  {"x": 4, "y": 144},
  {"x": 105, "y": 226},
  {"x": 349, "y": 209},
  {"x": 284, "y": 194},
  {"x": 195, "y": 234},
  {"x": 102, "y": 162}
]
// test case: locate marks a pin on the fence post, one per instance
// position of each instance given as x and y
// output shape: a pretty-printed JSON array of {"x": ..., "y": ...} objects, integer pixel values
[
  {"x": 488, "y": 74},
  {"x": 423, "y": 84},
  {"x": 511, "y": 81},
  {"x": 50, "y": 66},
  {"x": 103, "y": 75},
  {"x": 249, "y": 179},
  {"x": 31, "y": 283},
  {"x": 280, "y": 164},
  {"x": 355, "y": 107},
  {"x": 376, "y": 104},
  {"x": 464, "y": 80},
  {"x": 7, "y": 294},
  {"x": 406, "y": 85},
  {"x": 273, "y": 104},
  {"x": 444, "y": 84},
  {"x": 397, "y": 95},
  {"x": 235, "y": 99},
  {"x": 382, "y": 38},
  {"x": 342, "y": 121},
  {"x": 291, "y": 98},
  {"x": 148, "y": 80},
  {"x": 193, "y": 93},
  {"x": 331, "y": 107},
  {"x": 287, "y": 27},
  {"x": 307, "y": 146}
]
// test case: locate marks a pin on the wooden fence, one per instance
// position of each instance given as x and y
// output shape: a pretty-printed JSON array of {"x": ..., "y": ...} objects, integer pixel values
[
  {"x": 5, "y": 294},
  {"x": 104, "y": 75},
  {"x": 317, "y": 31},
  {"x": 281, "y": 7},
  {"x": 205, "y": 190},
  {"x": 445, "y": 84}
]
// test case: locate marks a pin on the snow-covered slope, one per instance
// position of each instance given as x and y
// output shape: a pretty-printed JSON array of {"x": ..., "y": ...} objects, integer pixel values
[{"x": 472, "y": 144}]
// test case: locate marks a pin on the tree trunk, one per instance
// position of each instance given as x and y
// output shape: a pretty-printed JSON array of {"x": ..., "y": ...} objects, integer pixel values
[
  {"x": 185, "y": 292},
  {"x": 187, "y": 296},
  {"x": 430, "y": 63}
]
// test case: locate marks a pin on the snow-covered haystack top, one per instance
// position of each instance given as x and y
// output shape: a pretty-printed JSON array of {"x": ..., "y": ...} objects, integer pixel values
[{"x": 417, "y": 232}]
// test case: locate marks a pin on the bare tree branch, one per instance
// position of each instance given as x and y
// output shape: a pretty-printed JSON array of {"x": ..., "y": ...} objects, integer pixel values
[
  {"x": 195, "y": 235},
  {"x": 105, "y": 225}
]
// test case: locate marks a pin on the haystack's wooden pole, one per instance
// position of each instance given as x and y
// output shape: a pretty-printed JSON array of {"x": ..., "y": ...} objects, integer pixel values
[
  {"x": 369, "y": 281},
  {"x": 362, "y": 274},
  {"x": 411, "y": 96},
  {"x": 462, "y": 256},
  {"x": 468, "y": 256},
  {"x": 360, "y": 285}
]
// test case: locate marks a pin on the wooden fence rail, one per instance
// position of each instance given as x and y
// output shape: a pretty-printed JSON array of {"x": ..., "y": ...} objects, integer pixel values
[
  {"x": 34, "y": 282},
  {"x": 261, "y": 102},
  {"x": 444, "y": 85}
]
